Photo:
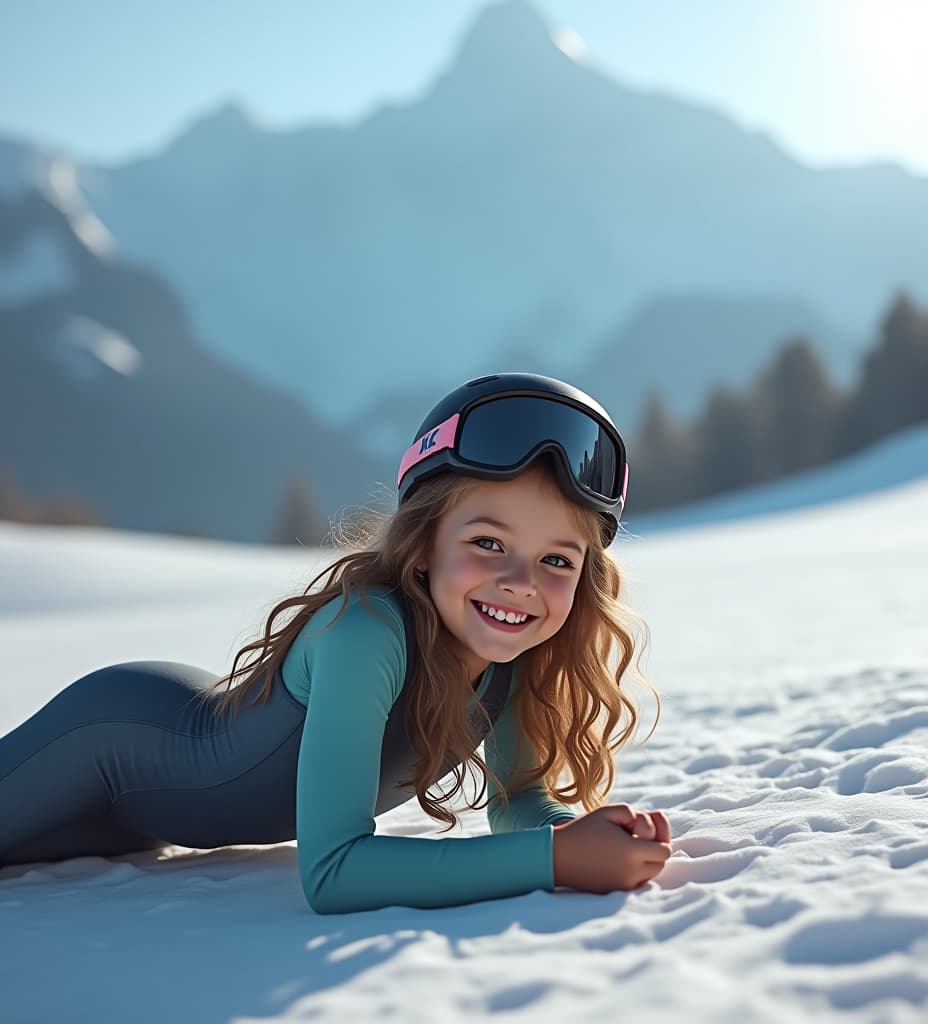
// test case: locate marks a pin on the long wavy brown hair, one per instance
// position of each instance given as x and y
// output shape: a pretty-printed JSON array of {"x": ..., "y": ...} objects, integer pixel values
[{"x": 571, "y": 706}]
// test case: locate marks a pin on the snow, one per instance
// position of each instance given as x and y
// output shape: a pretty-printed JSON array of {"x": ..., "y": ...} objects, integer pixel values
[
  {"x": 61, "y": 187},
  {"x": 791, "y": 758},
  {"x": 85, "y": 347}
]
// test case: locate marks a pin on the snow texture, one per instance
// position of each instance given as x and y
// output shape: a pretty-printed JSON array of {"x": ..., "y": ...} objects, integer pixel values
[{"x": 791, "y": 758}]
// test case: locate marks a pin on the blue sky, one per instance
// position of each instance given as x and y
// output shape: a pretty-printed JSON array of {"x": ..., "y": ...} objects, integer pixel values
[{"x": 835, "y": 81}]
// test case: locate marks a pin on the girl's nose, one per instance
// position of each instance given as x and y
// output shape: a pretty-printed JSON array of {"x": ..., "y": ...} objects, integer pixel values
[{"x": 518, "y": 577}]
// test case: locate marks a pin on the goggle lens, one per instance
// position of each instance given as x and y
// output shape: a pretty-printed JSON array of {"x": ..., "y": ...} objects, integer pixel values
[{"x": 503, "y": 432}]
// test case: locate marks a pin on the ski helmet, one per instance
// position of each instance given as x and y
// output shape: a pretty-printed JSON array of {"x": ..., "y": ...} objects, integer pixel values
[{"x": 493, "y": 427}]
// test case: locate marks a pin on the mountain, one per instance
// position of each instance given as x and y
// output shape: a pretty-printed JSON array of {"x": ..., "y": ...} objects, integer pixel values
[
  {"x": 526, "y": 211},
  {"x": 523, "y": 196},
  {"x": 681, "y": 346},
  {"x": 106, "y": 394}
]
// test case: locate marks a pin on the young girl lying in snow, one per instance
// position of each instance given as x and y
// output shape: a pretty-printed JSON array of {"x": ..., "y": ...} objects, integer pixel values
[{"x": 486, "y": 610}]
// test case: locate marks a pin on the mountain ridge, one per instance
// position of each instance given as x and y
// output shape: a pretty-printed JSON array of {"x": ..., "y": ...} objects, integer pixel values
[{"x": 436, "y": 231}]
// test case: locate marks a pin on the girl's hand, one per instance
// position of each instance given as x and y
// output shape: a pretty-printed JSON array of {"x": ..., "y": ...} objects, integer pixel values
[
  {"x": 611, "y": 848},
  {"x": 649, "y": 825}
]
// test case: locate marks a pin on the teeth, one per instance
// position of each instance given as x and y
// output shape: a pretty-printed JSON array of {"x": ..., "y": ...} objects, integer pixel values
[{"x": 501, "y": 616}]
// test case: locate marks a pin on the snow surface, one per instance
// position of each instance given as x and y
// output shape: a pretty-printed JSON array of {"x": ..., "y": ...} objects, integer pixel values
[
  {"x": 85, "y": 347},
  {"x": 792, "y": 655}
]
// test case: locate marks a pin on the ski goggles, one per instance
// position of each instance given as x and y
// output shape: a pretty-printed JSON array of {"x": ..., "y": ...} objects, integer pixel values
[{"x": 496, "y": 438}]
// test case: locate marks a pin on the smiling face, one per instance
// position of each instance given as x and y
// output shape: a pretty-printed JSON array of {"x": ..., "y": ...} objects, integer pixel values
[{"x": 512, "y": 546}]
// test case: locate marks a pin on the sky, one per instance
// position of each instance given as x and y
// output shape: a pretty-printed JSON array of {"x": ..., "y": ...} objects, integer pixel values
[{"x": 834, "y": 81}]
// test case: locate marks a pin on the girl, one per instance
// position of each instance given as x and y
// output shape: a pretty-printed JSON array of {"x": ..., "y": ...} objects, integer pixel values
[{"x": 486, "y": 609}]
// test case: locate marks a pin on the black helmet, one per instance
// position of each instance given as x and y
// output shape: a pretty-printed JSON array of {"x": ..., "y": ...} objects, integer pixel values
[{"x": 495, "y": 426}]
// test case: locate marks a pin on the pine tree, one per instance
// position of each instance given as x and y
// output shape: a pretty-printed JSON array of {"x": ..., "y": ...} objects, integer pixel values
[
  {"x": 728, "y": 430},
  {"x": 796, "y": 404},
  {"x": 661, "y": 459},
  {"x": 893, "y": 390},
  {"x": 300, "y": 521}
]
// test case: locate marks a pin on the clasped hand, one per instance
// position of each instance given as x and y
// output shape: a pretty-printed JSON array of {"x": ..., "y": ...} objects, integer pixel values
[{"x": 611, "y": 848}]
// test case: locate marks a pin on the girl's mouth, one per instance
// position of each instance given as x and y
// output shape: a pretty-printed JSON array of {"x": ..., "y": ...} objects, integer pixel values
[{"x": 505, "y": 627}]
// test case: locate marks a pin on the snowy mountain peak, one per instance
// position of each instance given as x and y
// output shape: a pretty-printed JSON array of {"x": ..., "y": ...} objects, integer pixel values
[
  {"x": 59, "y": 184},
  {"x": 56, "y": 177},
  {"x": 228, "y": 125},
  {"x": 507, "y": 35}
]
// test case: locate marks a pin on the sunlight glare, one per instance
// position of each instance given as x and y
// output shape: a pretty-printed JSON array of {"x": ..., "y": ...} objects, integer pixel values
[
  {"x": 891, "y": 37},
  {"x": 570, "y": 44}
]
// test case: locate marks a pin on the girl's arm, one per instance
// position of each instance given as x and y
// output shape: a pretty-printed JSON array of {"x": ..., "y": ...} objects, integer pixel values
[
  {"x": 507, "y": 751},
  {"x": 356, "y": 670}
]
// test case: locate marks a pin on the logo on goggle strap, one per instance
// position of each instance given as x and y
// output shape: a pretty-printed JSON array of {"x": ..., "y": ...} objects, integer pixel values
[{"x": 428, "y": 441}]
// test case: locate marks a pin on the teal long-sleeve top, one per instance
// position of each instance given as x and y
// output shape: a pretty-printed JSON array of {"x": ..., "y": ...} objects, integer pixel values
[{"x": 349, "y": 676}]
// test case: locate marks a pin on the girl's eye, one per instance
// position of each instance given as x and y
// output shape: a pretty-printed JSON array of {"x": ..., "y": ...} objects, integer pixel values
[{"x": 567, "y": 564}]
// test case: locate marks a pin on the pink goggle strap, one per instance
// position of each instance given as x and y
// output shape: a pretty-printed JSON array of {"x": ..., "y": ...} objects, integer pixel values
[{"x": 434, "y": 441}]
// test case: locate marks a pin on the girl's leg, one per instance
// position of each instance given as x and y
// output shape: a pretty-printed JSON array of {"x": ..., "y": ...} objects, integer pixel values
[
  {"x": 131, "y": 757},
  {"x": 102, "y": 838}
]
